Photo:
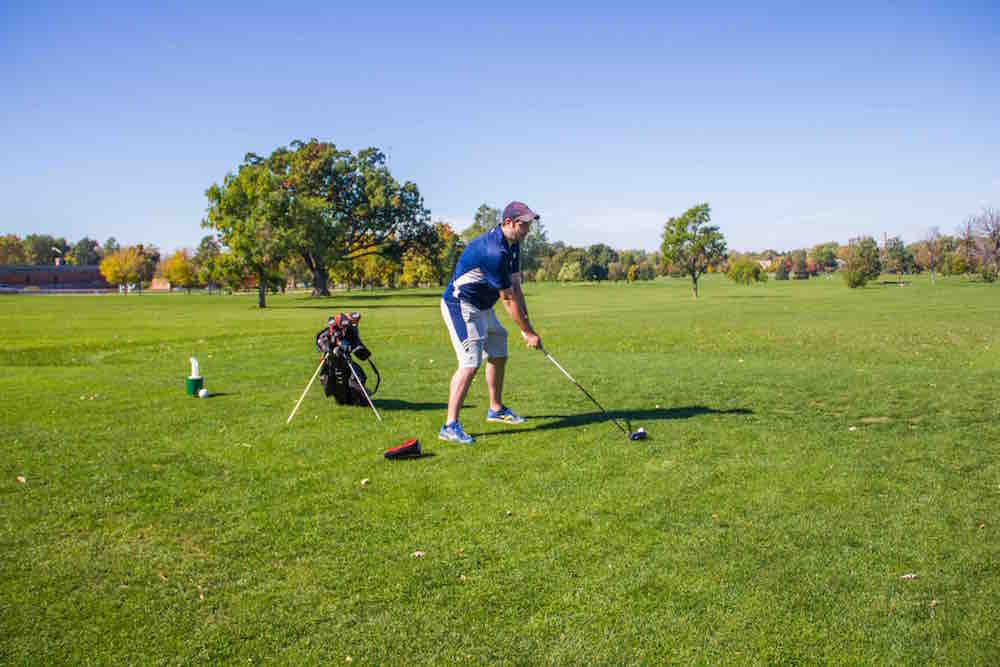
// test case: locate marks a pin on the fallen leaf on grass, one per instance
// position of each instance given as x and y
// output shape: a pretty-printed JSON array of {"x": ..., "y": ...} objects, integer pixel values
[
  {"x": 417, "y": 554},
  {"x": 909, "y": 577},
  {"x": 160, "y": 575},
  {"x": 22, "y": 480}
]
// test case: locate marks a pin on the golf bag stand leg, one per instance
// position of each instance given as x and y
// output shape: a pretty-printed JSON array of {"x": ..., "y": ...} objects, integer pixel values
[{"x": 313, "y": 379}]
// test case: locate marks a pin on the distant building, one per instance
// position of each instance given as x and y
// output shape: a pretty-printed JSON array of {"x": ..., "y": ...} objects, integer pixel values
[{"x": 21, "y": 276}]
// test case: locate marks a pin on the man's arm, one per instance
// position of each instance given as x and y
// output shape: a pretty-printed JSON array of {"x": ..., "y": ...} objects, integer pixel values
[{"x": 513, "y": 302}]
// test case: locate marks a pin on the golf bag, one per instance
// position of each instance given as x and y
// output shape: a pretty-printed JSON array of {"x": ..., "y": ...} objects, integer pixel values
[{"x": 340, "y": 375}]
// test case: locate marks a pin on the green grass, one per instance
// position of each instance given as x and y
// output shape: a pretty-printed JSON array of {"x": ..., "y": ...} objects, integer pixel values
[{"x": 810, "y": 445}]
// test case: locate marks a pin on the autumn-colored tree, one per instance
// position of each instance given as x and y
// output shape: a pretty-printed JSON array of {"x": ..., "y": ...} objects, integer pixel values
[
  {"x": 12, "y": 250},
  {"x": 121, "y": 267},
  {"x": 180, "y": 270},
  {"x": 928, "y": 253}
]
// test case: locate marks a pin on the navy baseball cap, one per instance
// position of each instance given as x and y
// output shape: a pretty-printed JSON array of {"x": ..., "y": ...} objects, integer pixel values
[{"x": 519, "y": 212}]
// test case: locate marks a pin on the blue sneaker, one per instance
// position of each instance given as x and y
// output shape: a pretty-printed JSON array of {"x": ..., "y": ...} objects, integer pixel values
[
  {"x": 504, "y": 415},
  {"x": 453, "y": 432}
]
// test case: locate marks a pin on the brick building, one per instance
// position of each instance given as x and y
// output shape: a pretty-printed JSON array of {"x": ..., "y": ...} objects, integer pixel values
[{"x": 21, "y": 276}]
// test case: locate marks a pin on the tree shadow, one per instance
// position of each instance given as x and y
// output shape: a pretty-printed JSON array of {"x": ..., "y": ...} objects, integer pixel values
[
  {"x": 755, "y": 296},
  {"x": 643, "y": 417}
]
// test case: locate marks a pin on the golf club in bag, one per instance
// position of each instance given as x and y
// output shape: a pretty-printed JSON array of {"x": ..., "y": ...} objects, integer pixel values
[
  {"x": 639, "y": 434},
  {"x": 339, "y": 374}
]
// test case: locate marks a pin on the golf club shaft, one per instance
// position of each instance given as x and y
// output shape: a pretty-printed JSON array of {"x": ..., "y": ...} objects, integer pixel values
[
  {"x": 363, "y": 390},
  {"x": 585, "y": 392},
  {"x": 295, "y": 409}
]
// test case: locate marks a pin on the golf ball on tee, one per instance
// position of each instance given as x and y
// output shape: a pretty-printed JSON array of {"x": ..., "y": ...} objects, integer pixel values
[{"x": 202, "y": 393}]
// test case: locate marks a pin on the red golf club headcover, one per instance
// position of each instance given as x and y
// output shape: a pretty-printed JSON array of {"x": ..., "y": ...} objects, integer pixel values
[{"x": 407, "y": 450}]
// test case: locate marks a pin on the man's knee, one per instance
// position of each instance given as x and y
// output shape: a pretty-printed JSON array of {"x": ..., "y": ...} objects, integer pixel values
[
  {"x": 496, "y": 346},
  {"x": 470, "y": 355}
]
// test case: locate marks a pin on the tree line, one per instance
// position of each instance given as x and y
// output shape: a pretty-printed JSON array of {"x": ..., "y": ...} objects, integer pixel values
[
  {"x": 316, "y": 215},
  {"x": 972, "y": 251}
]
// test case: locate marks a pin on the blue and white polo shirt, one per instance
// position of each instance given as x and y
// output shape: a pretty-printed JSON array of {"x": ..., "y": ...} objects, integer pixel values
[{"x": 484, "y": 268}]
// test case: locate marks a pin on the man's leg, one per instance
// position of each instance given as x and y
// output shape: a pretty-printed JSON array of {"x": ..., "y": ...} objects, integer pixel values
[
  {"x": 465, "y": 338},
  {"x": 496, "y": 361},
  {"x": 460, "y": 383},
  {"x": 494, "y": 381}
]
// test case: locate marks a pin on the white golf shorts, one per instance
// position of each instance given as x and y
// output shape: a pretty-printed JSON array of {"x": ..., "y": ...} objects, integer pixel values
[{"x": 473, "y": 331}]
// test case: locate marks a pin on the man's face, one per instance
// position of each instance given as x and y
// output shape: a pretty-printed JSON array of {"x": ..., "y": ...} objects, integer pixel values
[{"x": 520, "y": 227}]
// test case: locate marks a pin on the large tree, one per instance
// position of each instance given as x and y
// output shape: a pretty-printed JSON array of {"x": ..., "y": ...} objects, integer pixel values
[
  {"x": 249, "y": 212},
  {"x": 691, "y": 244},
  {"x": 343, "y": 207}
]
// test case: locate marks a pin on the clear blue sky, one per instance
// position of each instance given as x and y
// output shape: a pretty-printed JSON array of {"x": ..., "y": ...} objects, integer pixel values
[{"x": 796, "y": 125}]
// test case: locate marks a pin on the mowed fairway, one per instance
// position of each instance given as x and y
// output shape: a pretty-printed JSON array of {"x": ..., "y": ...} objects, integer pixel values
[{"x": 821, "y": 483}]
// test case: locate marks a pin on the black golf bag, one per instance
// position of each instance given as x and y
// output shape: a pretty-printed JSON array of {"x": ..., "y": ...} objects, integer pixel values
[{"x": 340, "y": 375}]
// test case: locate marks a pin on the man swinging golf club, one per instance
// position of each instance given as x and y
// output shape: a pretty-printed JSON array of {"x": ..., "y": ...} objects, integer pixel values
[{"x": 488, "y": 269}]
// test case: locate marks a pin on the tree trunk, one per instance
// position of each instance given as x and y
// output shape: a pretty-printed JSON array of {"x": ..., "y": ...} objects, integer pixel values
[
  {"x": 321, "y": 276},
  {"x": 261, "y": 290},
  {"x": 321, "y": 280},
  {"x": 694, "y": 285}
]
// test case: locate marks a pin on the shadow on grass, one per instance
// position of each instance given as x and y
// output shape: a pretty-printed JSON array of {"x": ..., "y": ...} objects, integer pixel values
[
  {"x": 395, "y": 404},
  {"x": 633, "y": 418},
  {"x": 755, "y": 296},
  {"x": 406, "y": 459},
  {"x": 328, "y": 305}
]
